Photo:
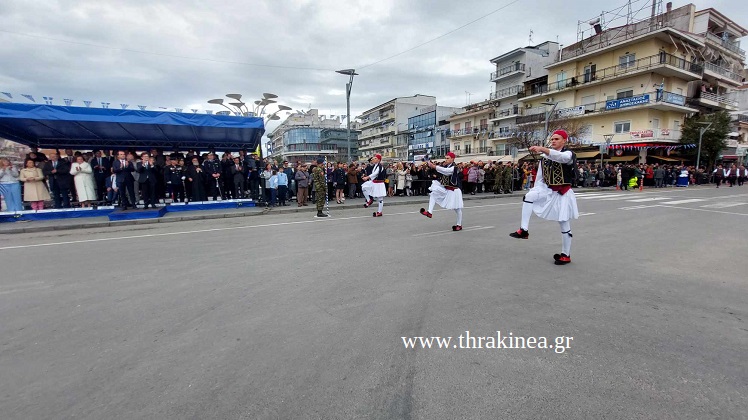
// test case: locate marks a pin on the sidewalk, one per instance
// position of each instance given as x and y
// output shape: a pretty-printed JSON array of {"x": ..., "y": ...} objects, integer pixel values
[{"x": 99, "y": 222}]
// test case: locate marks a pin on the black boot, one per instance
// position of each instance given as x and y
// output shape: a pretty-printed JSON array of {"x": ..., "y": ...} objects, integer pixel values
[{"x": 320, "y": 214}]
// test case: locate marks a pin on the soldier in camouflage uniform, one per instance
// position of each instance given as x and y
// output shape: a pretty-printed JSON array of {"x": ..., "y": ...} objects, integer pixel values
[
  {"x": 506, "y": 179},
  {"x": 320, "y": 186}
]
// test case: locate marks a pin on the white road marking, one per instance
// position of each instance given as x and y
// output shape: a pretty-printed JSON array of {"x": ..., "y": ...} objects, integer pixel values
[
  {"x": 643, "y": 200},
  {"x": 637, "y": 207},
  {"x": 623, "y": 197},
  {"x": 723, "y": 205},
  {"x": 706, "y": 210},
  {"x": 691, "y": 200},
  {"x": 588, "y": 197},
  {"x": 442, "y": 232},
  {"x": 585, "y": 214},
  {"x": 154, "y": 235}
]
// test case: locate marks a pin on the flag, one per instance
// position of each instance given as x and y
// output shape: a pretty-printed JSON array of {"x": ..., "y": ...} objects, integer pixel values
[
  {"x": 68, "y": 102},
  {"x": 142, "y": 107},
  {"x": 258, "y": 151},
  {"x": 87, "y": 103},
  {"x": 124, "y": 106},
  {"x": 29, "y": 97},
  {"x": 48, "y": 100},
  {"x": 8, "y": 95}
]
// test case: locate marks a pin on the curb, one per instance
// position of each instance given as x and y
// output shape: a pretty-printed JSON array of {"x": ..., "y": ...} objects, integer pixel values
[{"x": 190, "y": 217}]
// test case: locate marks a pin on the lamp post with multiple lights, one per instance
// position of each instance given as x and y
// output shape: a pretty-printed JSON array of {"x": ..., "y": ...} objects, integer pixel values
[{"x": 240, "y": 108}]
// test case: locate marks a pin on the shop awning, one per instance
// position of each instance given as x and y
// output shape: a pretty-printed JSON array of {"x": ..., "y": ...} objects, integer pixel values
[
  {"x": 668, "y": 159},
  {"x": 622, "y": 158},
  {"x": 587, "y": 155},
  {"x": 53, "y": 126}
]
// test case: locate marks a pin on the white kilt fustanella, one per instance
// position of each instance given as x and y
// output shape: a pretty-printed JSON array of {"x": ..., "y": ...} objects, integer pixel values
[
  {"x": 551, "y": 205},
  {"x": 448, "y": 199},
  {"x": 373, "y": 189}
]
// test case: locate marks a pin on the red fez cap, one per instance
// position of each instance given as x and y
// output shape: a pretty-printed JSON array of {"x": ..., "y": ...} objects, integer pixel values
[
  {"x": 378, "y": 156},
  {"x": 561, "y": 133},
  {"x": 451, "y": 155}
]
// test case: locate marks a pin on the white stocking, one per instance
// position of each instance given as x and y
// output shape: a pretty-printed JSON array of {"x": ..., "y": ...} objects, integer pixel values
[{"x": 565, "y": 237}]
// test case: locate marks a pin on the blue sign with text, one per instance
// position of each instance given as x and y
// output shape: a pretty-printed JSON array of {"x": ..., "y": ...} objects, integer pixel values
[{"x": 626, "y": 102}]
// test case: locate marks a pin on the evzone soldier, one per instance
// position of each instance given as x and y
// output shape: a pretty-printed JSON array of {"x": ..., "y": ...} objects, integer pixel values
[
  {"x": 552, "y": 197},
  {"x": 446, "y": 192},
  {"x": 374, "y": 185}
]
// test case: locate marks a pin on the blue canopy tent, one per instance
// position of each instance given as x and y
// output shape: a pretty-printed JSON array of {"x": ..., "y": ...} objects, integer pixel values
[{"x": 65, "y": 127}]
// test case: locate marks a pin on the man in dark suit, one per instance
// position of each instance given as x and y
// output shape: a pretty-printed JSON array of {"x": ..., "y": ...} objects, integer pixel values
[
  {"x": 148, "y": 176},
  {"x": 58, "y": 174},
  {"x": 126, "y": 182},
  {"x": 101, "y": 171},
  {"x": 237, "y": 175}
]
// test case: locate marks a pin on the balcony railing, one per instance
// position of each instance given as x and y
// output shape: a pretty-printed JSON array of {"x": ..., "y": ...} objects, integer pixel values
[
  {"x": 646, "y": 63},
  {"x": 721, "y": 99},
  {"x": 649, "y": 134},
  {"x": 486, "y": 150},
  {"x": 743, "y": 118},
  {"x": 311, "y": 148},
  {"x": 732, "y": 46},
  {"x": 512, "y": 68},
  {"x": 649, "y": 98},
  {"x": 507, "y": 92},
  {"x": 508, "y": 112},
  {"x": 533, "y": 90},
  {"x": 723, "y": 72}
]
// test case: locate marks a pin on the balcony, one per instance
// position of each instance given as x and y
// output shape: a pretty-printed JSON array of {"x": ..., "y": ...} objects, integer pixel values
[
  {"x": 506, "y": 113},
  {"x": 507, "y": 92},
  {"x": 514, "y": 68},
  {"x": 663, "y": 64},
  {"x": 722, "y": 73},
  {"x": 712, "y": 100},
  {"x": 663, "y": 101},
  {"x": 724, "y": 43}
]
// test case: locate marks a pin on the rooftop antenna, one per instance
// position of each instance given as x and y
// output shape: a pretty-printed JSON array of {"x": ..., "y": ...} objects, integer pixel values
[{"x": 529, "y": 39}]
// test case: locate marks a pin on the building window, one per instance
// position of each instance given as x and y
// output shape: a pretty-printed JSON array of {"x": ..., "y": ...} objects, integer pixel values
[
  {"x": 626, "y": 61},
  {"x": 467, "y": 148},
  {"x": 457, "y": 127},
  {"x": 457, "y": 146},
  {"x": 624, "y": 93},
  {"x": 622, "y": 127}
]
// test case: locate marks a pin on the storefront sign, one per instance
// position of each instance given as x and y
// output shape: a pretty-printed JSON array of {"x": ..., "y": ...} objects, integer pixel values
[
  {"x": 642, "y": 134},
  {"x": 626, "y": 102},
  {"x": 674, "y": 98},
  {"x": 569, "y": 112}
]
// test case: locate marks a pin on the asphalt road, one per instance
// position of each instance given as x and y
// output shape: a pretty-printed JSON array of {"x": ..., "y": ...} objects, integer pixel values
[{"x": 291, "y": 317}]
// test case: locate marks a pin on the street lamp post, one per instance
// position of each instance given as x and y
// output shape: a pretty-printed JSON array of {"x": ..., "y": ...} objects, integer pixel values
[
  {"x": 702, "y": 130},
  {"x": 348, "y": 87},
  {"x": 548, "y": 116},
  {"x": 604, "y": 149}
]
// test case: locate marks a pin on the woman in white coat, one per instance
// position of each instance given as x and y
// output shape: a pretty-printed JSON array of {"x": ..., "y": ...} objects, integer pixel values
[{"x": 84, "y": 181}]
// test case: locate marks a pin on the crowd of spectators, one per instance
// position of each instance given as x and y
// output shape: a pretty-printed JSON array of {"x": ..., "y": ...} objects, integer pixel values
[{"x": 124, "y": 178}]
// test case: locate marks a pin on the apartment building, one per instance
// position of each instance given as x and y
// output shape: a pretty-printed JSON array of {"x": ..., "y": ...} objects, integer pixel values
[
  {"x": 424, "y": 136},
  {"x": 304, "y": 136},
  {"x": 384, "y": 128},
  {"x": 638, "y": 82},
  {"x": 483, "y": 129}
]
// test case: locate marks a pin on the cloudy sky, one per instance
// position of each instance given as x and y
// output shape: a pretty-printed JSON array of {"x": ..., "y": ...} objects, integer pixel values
[{"x": 181, "y": 53}]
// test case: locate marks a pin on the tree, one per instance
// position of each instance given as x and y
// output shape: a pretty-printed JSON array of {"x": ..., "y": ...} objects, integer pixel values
[{"x": 713, "y": 140}]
